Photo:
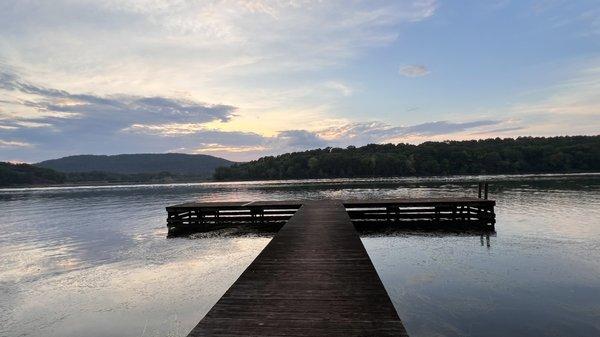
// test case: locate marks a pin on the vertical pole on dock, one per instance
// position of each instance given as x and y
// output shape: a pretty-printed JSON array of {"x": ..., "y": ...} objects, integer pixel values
[
  {"x": 485, "y": 194},
  {"x": 387, "y": 214},
  {"x": 479, "y": 191}
]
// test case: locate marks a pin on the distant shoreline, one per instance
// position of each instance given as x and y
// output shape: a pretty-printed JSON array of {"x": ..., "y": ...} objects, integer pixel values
[
  {"x": 446, "y": 178},
  {"x": 102, "y": 183},
  {"x": 485, "y": 156},
  {"x": 493, "y": 156}
]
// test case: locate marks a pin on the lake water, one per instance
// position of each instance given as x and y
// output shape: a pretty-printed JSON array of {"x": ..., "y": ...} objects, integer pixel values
[{"x": 95, "y": 261}]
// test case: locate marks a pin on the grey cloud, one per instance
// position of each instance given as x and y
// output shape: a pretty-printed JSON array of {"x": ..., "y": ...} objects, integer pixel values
[
  {"x": 12, "y": 144},
  {"x": 120, "y": 108},
  {"x": 499, "y": 130},
  {"x": 114, "y": 112},
  {"x": 376, "y": 132},
  {"x": 413, "y": 70},
  {"x": 300, "y": 139},
  {"x": 445, "y": 127}
]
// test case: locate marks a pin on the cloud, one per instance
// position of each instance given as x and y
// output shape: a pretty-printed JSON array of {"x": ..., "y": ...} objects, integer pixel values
[
  {"x": 245, "y": 53},
  {"x": 340, "y": 87},
  {"x": 63, "y": 110},
  {"x": 220, "y": 148},
  {"x": 297, "y": 140},
  {"x": 362, "y": 133},
  {"x": 378, "y": 132},
  {"x": 499, "y": 130},
  {"x": 445, "y": 127},
  {"x": 267, "y": 34},
  {"x": 170, "y": 129},
  {"x": 413, "y": 70},
  {"x": 561, "y": 14},
  {"x": 571, "y": 106},
  {"x": 9, "y": 143}
]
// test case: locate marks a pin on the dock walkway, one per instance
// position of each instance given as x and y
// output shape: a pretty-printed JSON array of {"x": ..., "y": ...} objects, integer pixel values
[{"x": 314, "y": 278}]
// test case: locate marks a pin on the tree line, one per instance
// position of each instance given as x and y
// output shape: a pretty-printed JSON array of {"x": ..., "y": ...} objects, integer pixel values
[
  {"x": 27, "y": 175},
  {"x": 488, "y": 156}
]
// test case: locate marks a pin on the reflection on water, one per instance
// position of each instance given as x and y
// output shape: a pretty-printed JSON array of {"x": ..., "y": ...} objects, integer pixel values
[{"x": 95, "y": 261}]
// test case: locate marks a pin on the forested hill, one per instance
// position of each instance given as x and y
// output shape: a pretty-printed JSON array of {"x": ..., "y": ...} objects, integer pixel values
[
  {"x": 175, "y": 163},
  {"x": 12, "y": 175},
  {"x": 489, "y": 156},
  {"x": 21, "y": 175},
  {"x": 25, "y": 174}
]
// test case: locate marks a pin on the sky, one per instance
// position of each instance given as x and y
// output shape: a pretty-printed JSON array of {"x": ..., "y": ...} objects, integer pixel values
[{"x": 242, "y": 79}]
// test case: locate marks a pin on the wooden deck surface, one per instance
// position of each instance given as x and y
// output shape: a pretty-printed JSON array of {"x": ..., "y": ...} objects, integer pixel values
[
  {"x": 415, "y": 201},
  {"x": 313, "y": 279},
  {"x": 239, "y": 204},
  {"x": 347, "y": 203}
]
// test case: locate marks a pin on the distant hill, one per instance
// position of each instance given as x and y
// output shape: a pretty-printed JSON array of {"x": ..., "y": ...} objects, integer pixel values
[
  {"x": 487, "y": 156},
  {"x": 25, "y": 174},
  {"x": 197, "y": 165}
]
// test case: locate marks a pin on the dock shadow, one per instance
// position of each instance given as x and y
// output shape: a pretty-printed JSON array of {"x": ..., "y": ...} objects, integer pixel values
[
  {"x": 268, "y": 229},
  {"x": 364, "y": 229},
  {"x": 378, "y": 230},
  {"x": 422, "y": 229}
]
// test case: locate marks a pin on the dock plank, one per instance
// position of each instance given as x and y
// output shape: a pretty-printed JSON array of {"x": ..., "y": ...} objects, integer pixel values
[{"x": 314, "y": 278}]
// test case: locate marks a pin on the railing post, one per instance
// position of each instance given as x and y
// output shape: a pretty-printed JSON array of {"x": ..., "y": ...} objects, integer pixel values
[
  {"x": 485, "y": 195},
  {"x": 387, "y": 214}
]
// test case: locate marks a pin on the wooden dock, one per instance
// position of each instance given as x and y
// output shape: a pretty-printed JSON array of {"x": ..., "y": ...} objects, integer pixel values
[
  {"x": 314, "y": 278},
  {"x": 462, "y": 213}
]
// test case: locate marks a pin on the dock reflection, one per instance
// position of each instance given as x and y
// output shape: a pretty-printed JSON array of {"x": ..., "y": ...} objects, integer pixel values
[
  {"x": 456, "y": 230},
  {"x": 364, "y": 230}
]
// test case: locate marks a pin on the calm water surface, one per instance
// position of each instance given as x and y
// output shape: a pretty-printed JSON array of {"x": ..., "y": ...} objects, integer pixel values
[{"x": 95, "y": 261}]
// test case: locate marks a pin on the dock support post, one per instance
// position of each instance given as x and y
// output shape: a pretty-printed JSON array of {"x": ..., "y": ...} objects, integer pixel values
[
  {"x": 388, "y": 211},
  {"x": 486, "y": 191}
]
